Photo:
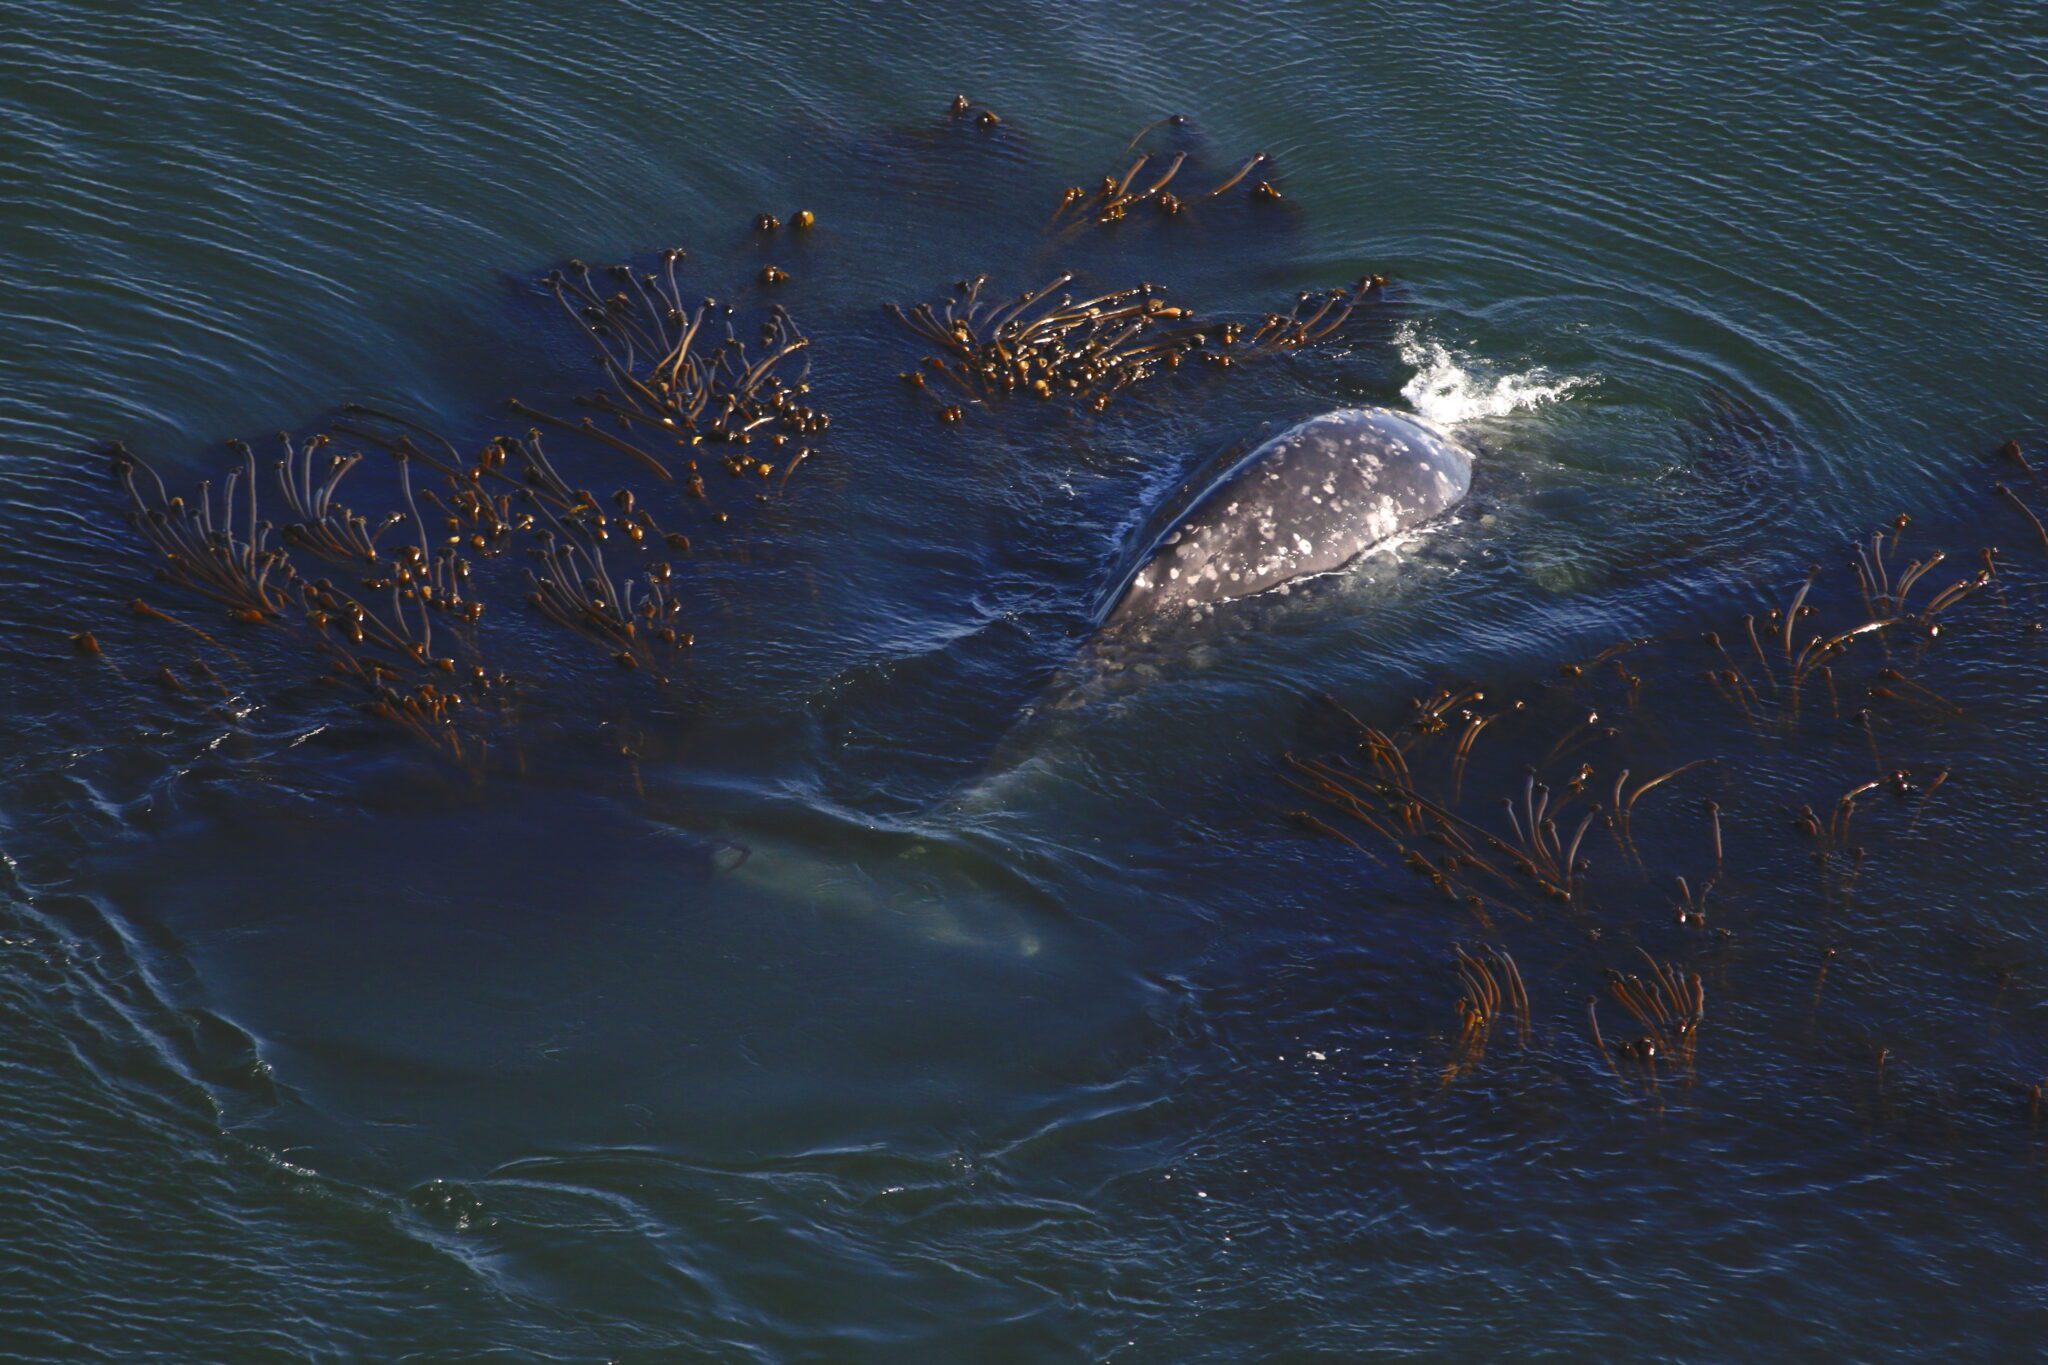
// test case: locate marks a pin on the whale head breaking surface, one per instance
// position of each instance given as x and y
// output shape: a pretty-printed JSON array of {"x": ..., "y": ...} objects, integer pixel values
[{"x": 1306, "y": 502}]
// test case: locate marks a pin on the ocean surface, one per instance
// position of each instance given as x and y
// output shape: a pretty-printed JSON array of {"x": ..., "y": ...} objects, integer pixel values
[{"x": 914, "y": 979}]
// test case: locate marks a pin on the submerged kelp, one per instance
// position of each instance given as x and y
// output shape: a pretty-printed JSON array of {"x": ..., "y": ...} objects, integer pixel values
[{"x": 1652, "y": 803}]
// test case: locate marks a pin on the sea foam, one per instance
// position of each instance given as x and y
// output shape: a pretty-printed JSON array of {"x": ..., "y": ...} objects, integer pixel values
[{"x": 1450, "y": 389}]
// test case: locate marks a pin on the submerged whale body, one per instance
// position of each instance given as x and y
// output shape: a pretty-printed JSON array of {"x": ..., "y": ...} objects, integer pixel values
[{"x": 1306, "y": 502}]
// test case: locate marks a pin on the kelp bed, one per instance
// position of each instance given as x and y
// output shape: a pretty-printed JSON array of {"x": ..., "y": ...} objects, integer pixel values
[
  {"x": 377, "y": 542},
  {"x": 392, "y": 599}
]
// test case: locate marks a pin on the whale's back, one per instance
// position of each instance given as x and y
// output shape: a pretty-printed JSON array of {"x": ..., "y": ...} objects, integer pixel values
[{"x": 1308, "y": 501}]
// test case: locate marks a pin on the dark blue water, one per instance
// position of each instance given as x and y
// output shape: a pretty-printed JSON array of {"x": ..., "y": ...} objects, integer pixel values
[{"x": 907, "y": 980}]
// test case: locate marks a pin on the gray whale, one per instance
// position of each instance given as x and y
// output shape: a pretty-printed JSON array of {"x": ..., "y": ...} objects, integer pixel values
[{"x": 1306, "y": 502}]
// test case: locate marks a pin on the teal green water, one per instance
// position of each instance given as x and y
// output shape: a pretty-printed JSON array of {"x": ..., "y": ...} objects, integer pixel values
[{"x": 1027, "y": 1028}]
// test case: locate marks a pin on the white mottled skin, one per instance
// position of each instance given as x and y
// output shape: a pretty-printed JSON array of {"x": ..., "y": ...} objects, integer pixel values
[{"x": 1308, "y": 501}]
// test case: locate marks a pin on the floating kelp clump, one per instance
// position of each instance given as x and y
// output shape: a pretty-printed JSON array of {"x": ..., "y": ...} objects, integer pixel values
[
  {"x": 1046, "y": 343},
  {"x": 685, "y": 377},
  {"x": 1667, "y": 1006},
  {"x": 1493, "y": 989},
  {"x": 1314, "y": 317},
  {"x": 1086, "y": 351},
  {"x": 962, "y": 107},
  {"x": 1147, "y": 182},
  {"x": 379, "y": 634},
  {"x": 396, "y": 601},
  {"x": 572, "y": 586},
  {"x": 1527, "y": 801},
  {"x": 635, "y": 617}
]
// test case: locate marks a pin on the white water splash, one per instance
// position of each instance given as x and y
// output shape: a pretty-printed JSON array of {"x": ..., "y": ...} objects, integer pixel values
[{"x": 1450, "y": 389}]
